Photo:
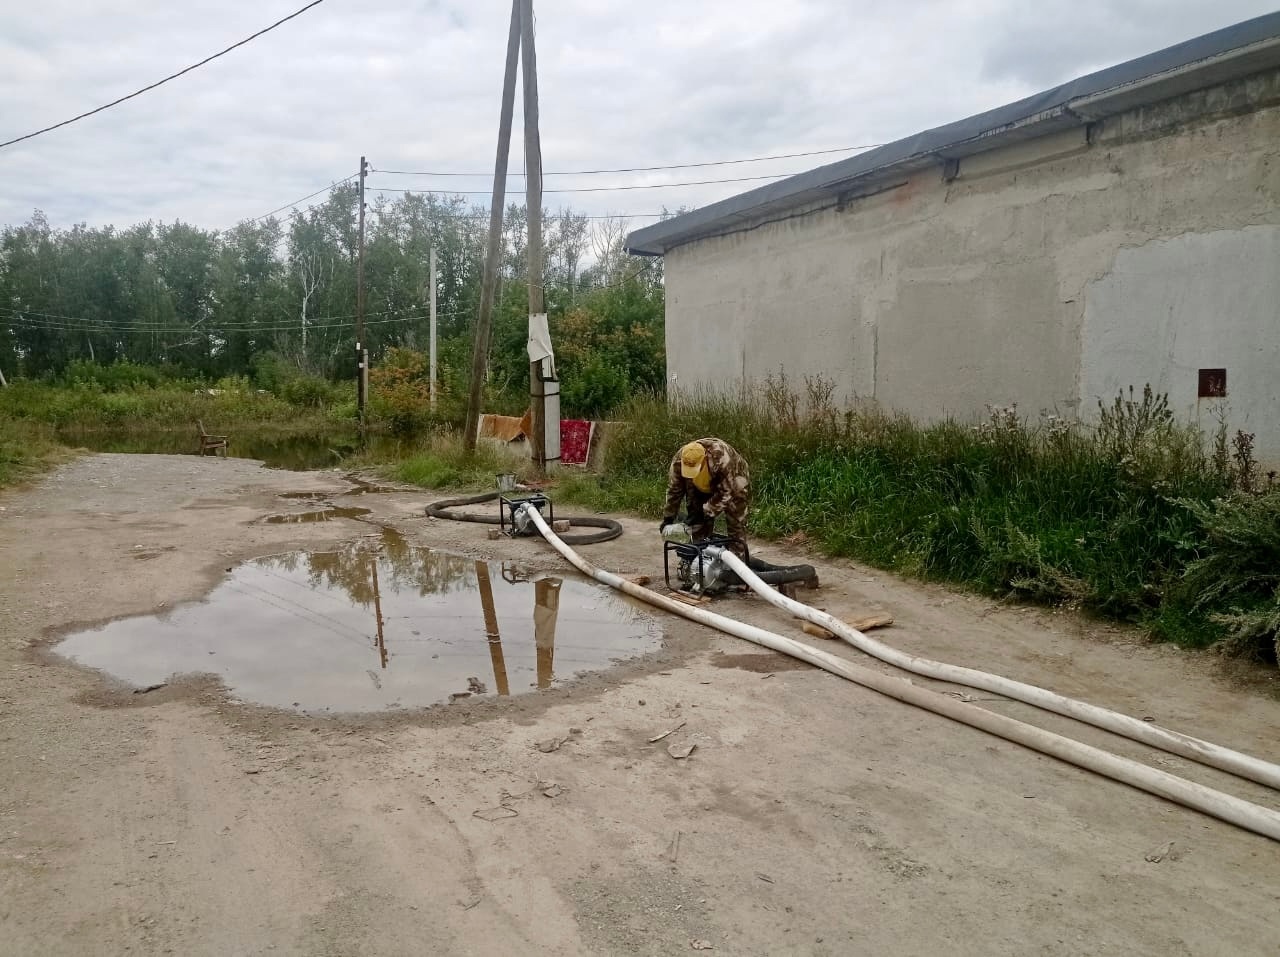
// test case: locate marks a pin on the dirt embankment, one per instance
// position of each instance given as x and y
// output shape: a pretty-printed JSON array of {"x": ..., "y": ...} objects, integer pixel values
[{"x": 814, "y": 817}]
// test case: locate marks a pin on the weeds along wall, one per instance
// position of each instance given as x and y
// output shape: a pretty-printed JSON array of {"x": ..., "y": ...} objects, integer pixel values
[
  {"x": 1049, "y": 274},
  {"x": 1131, "y": 520}
]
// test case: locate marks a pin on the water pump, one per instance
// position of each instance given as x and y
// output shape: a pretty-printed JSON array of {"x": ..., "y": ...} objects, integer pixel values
[{"x": 700, "y": 570}]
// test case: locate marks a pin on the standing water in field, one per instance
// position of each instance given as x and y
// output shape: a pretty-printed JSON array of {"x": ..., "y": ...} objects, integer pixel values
[
  {"x": 297, "y": 452},
  {"x": 375, "y": 625}
]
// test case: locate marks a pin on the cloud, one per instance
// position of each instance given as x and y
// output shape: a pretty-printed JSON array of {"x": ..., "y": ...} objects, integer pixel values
[
  {"x": 1046, "y": 45},
  {"x": 415, "y": 86}
]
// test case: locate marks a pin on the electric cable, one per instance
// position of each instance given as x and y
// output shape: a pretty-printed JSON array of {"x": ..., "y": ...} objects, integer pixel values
[{"x": 172, "y": 76}]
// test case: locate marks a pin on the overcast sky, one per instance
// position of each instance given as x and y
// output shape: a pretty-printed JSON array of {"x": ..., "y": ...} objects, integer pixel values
[{"x": 415, "y": 85}]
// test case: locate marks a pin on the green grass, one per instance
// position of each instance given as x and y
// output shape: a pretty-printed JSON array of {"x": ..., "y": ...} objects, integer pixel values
[
  {"x": 39, "y": 417},
  {"x": 439, "y": 461},
  {"x": 1131, "y": 521},
  {"x": 225, "y": 405},
  {"x": 26, "y": 450}
]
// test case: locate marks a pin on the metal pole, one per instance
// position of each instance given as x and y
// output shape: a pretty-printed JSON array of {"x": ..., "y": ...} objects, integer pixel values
[
  {"x": 433, "y": 328},
  {"x": 480, "y": 349}
]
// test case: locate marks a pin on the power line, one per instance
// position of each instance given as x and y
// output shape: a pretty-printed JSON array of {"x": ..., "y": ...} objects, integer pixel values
[
  {"x": 652, "y": 169},
  {"x": 199, "y": 330},
  {"x": 20, "y": 313},
  {"x": 71, "y": 324},
  {"x": 172, "y": 76},
  {"x": 598, "y": 189},
  {"x": 83, "y": 322},
  {"x": 581, "y": 172},
  {"x": 485, "y": 216},
  {"x": 301, "y": 199}
]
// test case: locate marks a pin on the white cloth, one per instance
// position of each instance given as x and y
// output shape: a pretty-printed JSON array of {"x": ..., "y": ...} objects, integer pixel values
[{"x": 540, "y": 343}]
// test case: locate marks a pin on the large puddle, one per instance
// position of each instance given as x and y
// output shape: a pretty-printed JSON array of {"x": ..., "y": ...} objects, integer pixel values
[{"x": 375, "y": 625}]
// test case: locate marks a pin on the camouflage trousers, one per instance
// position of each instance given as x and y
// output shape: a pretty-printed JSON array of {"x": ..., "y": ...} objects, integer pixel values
[{"x": 735, "y": 516}]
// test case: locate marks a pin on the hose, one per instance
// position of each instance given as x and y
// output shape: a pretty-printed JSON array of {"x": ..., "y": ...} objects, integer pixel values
[
  {"x": 439, "y": 510},
  {"x": 782, "y": 574},
  {"x": 1225, "y": 807},
  {"x": 787, "y": 574},
  {"x": 1205, "y": 752}
]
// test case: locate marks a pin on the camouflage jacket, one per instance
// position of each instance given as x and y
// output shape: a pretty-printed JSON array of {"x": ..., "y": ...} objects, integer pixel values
[{"x": 730, "y": 480}]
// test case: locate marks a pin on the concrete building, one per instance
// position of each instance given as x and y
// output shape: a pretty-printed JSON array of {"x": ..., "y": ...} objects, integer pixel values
[{"x": 1121, "y": 229}]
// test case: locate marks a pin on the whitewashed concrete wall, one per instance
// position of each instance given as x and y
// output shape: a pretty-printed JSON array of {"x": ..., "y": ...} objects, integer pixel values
[
  {"x": 1197, "y": 301},
  {"x": 1019, "y": 280}
]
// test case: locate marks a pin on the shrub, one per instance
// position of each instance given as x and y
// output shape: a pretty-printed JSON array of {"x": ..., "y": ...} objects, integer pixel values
[
  {"x": 116, "y": 377},
  {"x": 1234, "y": 578},
  {"x": 597, "y": 389},
  {"x": 308, "y": 391}
]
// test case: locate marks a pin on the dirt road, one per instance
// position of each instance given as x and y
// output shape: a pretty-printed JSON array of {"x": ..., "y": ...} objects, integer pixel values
[{"x": 814, "y": 817}]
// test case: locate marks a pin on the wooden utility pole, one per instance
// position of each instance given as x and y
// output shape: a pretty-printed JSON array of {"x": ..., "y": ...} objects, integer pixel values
[
  {"x": 377, "y": 613},
  {"x": 480, "y": 349},
  {"x": 533, "y": 211},
  {"x": 546, "y": 609},
  {"x": 362, "y": 348},
  {"x": 491, "y": 629},
  {"x": 433, "y": 328}
]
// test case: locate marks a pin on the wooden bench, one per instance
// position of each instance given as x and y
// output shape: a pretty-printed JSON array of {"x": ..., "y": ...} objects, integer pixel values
[{"x": 211, "y": 443}]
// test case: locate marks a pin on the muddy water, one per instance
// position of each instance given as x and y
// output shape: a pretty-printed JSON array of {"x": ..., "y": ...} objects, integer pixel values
[
  {"x": 375, "y": 625},
  {"x": 327, "y": 514}
]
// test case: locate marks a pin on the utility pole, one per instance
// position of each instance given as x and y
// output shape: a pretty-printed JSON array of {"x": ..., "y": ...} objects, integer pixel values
[
  {"x": 545, "y": 447},
  {"x": 480, "y": 349},
  {"x": 377, "y": 612},
  {"x": 491, "y": 629},
  {"x": 362, "y": 350},
  {"x": 433, "y": 328},
  {"x": 546, "y": 609}
]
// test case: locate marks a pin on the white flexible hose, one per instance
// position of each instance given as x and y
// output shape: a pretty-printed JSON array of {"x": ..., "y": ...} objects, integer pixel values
[
  {"x": 1225, "y": 807},
  {"x": 1206, "y": 752}
]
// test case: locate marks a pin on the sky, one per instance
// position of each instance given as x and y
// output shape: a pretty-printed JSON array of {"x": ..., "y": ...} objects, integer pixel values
[{"x": 415, "y": 85}]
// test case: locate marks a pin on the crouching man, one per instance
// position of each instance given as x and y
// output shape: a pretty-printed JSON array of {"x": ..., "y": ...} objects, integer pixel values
[{"x": 713, "y": 480}]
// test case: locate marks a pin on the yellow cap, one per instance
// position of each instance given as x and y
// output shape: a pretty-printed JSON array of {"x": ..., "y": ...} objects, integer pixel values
[{"x": 692, "y": 458}]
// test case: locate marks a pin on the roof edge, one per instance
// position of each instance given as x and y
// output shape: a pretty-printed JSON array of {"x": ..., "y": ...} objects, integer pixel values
[{"x": 1209, "y": 60}]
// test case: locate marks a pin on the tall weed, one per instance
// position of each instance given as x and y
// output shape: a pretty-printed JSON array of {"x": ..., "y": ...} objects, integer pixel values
[{"x": 1109, "y": 519}]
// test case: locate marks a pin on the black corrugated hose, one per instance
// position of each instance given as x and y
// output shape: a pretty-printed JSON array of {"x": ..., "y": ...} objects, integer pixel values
[{"x": 611, "y": 528}]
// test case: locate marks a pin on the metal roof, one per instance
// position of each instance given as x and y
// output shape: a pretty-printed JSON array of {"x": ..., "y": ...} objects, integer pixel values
[{"x": 1227, "y": 54}]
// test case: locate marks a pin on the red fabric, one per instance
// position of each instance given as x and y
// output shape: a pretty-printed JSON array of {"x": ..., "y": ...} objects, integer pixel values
[{"x": 575, "y": 441}]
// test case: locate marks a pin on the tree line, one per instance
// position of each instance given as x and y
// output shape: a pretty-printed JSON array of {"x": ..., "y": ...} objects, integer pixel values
[{"x": 282, "y": 292}]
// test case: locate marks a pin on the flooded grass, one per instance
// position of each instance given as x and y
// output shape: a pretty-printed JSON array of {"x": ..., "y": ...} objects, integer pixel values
[
  {"x": 372, "y": 626},
  {"x": 281, "y": 450}
]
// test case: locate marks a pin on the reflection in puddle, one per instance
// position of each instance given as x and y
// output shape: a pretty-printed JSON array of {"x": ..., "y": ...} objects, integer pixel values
[
  {"x": 319, "y": 515},
  {"x": 372, "y": 625}
]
